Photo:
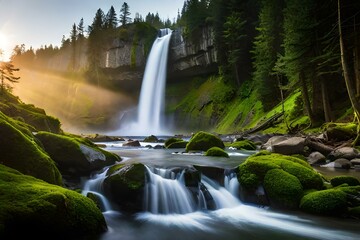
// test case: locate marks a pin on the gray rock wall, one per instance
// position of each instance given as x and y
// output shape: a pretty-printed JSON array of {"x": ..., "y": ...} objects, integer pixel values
[{"x": 187, "y": 58}]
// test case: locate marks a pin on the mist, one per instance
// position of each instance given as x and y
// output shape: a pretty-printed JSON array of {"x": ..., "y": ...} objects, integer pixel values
[{"x": 81, "y": 107}]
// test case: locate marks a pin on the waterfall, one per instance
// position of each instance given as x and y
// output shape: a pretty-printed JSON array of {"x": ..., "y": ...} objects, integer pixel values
[
  {"x": 165, "y": 193},
  {"x": 152, "y": 95}
]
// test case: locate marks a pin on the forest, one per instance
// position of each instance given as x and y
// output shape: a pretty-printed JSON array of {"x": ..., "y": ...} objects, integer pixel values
[{"x": 272, "y": 48}]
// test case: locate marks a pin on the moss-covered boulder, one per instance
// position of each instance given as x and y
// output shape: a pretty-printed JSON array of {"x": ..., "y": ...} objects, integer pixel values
[
  {"x": 202, "y": 141},
  {"x": 244, "y": 145},
  {"x": 20, "y": 150},
  {"x": 330, "y": 202},
  {"x": 340, "y": 131},
  {"x": 253, "y": 171},
  {"x": 13, "y": 107},
  {"x": 172, "y": 140},
  {"x": 216, "y": 152},
  {"x": 34, "y": 208},
  {"x": 151, "y": 138},
  {"x": 179, "y": 144},
  {"x": 282, "y": 188},
  {"x": 124, "y": 185},
  {"x": 74, "y": 155},
  {"x": 339, "y": 180}
]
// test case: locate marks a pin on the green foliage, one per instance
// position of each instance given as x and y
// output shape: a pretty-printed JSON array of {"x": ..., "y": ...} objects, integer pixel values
[
  {"x": 283, "y": 188},
  {"x": 203, "y": 141},
  {"x": 40, "y": 208},
  {"x": 216, "y": 152},
  {"x": 325, "y": 202},
  {"x": 247, "y": 179},
  {"x": 350, "y": 180}
]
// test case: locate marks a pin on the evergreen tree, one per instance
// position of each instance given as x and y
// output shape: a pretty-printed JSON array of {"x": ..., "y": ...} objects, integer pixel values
[
  {"x": 299, "y": 45},
  {"x": 7, "y": 77},
  {"x": 95, "y": 40},
  {"x": 124, "y": 14},
  {"x": 73, "y": 39},
  {"x": 267, "y": 46},
  {"x": 111, "y": 19}
]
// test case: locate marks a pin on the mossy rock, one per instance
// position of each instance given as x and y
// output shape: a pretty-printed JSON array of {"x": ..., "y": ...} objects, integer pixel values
[
  {"x": 124, "y": 185},
  {"x": 151, "y": 138},
  {"x": 244, "y": 145},
  {"x": 172, "y": 140},
  {"x": 355, "y": 212},
  {"x": 202, "y": 141},
  {"x": 38, "y": 209},
  {"x": 283, "y": 189},
  {"x": 23, "y": 153},
  {"x": 341, "y": 131},
  {"x": 216, "y": 152},
  {"x": 253, "y": 171},
  {"x": 179, "y": 144},
  {"x": 330, "y": 202},
  {"x": 350, "y": 180},
  {"x": 75, "y": 155}
]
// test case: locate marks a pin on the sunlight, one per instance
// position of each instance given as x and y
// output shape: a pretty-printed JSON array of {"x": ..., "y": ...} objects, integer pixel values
[{"x": 3, "y": 45}]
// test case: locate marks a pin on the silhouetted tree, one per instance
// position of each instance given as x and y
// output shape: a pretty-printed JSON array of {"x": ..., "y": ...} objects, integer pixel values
[
  {"x": 111, "y": 19},
  {"x": 124, "y": 14},
  {"x": 7, "y": 70}
]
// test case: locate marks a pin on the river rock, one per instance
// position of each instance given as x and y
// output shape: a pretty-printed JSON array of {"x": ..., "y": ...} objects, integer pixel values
[
  {"x": 293, "y": 145},
  {"x": 316, "y": 158},
  {"x": 342, "y": 163},
  {"x": 355, "y": 162},
  {"x": 273, "y": 140},
  {"x": 135, "y": 143},
  {"x": 344, "y": 152}
]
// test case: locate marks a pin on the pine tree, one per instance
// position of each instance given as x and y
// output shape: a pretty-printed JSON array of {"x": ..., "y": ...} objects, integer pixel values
[
  {"x": 73, "y": 40},
  {"x": 7, "y": 70},
  {"x": 111, "y": 19},
  {"x": 124, "y": 14}
]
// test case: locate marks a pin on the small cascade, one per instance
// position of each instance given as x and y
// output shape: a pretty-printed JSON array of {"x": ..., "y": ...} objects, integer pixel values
[
  {"x": 94, "y": 186},
  {"x": 222, "y": 197},
  {"x": 165, "y": 193},
  {"x": 232, "y": 184}
]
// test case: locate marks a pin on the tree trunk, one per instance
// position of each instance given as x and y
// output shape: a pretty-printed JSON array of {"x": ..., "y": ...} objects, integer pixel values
[
  {"x": 326, "y": 103},
  {"x": 306, "y": 99},
  {"x": 357, "y": 60},
  {"x": 348, "y": 82}
]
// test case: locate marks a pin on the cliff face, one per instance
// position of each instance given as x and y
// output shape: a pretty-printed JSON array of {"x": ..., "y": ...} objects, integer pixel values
[
  {"x": 122, "y": 54},
  {"x": 188, "y": 58}
]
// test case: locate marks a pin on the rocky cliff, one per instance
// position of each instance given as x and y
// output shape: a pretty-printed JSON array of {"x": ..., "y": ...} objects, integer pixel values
[{"x": 189, "y": 58}]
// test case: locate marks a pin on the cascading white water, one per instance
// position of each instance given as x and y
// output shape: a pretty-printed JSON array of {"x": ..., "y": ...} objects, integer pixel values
[
  {"x": 95, "y": 186},
  {"x": 165, "y": 193},
  {"x": 152, "y": 95}
]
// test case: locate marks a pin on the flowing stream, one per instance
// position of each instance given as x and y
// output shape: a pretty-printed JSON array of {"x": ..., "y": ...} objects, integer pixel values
[{"x": 173, "y": 211}]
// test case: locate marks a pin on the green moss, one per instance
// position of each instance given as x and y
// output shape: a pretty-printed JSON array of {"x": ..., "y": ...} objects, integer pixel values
[
  {"x": 66, "y": 151},
  {"x": 39, "y": 208},
  {"x": 244, "y": 145},
  {"x": 216, "y": 152},
  {"x": 282, "y": 188},
  {"x": 309, "y": 178},
  {"x": 179, "y": 144},
  {"x": 171, "y": 140},
  {"x": 340, "y": 131},
  {"x": 355, "y": 212},
  {"x": 259, "y": 164},
  {"x": 325, "y": 202},
  {"x": 350, "y": 180},
  {"x": 22, "y": 152},
  {"x": 203, "y": 141}
]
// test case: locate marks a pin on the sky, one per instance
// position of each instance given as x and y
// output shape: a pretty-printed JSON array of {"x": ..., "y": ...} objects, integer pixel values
[{"x": 37, "y": 23}]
